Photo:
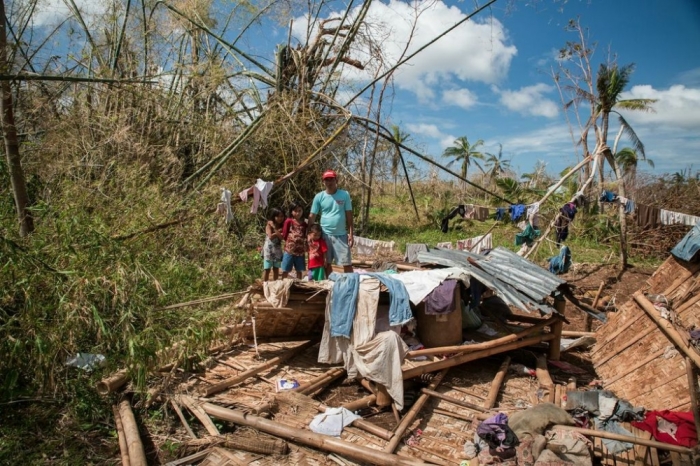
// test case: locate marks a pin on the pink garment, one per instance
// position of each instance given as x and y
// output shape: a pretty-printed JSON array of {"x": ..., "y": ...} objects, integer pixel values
[{"x": 261, "y": 189}]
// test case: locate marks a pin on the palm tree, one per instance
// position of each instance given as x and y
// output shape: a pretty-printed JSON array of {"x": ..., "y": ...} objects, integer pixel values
[
  {"x": 627, "y": 159},
  {"x": 400, "y": 138},
  {"x": 610, "y": 83},
  {"x": 463, "y": 151},
  {"x": 496, "y": 164}
]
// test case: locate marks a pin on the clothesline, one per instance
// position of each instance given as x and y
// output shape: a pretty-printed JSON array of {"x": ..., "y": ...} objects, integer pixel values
[{"x": 648, "y": 215}]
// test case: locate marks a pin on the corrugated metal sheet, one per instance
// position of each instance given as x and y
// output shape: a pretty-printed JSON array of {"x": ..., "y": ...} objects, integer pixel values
[{"x": 519, "y": 282}]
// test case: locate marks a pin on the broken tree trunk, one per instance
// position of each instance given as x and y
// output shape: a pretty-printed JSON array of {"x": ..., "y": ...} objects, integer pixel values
[
  {"x": 305, "y": 437},
  {"x": 137, "y": 456},
  {"x": 412, "y": 413},
  {"x": 230, "y": 382}
]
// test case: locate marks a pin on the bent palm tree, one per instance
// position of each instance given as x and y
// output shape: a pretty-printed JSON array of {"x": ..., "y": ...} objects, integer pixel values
[
  {"x": 610, "y": 83},
  {"x": 496, "y": 164},
  {"x": 628, "y": 160},
  {"x": 463, "y": 151}
]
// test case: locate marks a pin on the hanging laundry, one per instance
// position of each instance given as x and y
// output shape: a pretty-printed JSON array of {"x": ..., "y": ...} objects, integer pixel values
[
  {"x": 445, "y": 222},
  {"x": 261, "y": 190},
  {"x": 561, "y": 263},
  {"x": 412, "y": 250},
  {"x": 469, "y": 211},
  {"x": 567, "y": 215},
  {"x": 481, "y": 213},
  {"x": 608, "y": 196},
  {"x": 527, "y": 236},
  {"x": 226, "y": 200},
  {"x": 476, "y": 244},
  {"x": 647, "y": 216},
  {"x": 668, "y": 217},
  {"x": 533, "y": 214},
  {"x": 500, "y": 213},
  {"x": 370, "y": 247},
  {"x": 516, "y": 211},
  {"x": 445, "y": 245},
  {"x": 629, "y": 206}
]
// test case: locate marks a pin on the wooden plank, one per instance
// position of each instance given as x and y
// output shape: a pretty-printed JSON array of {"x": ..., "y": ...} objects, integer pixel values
[{"x": 199, "y": 413}]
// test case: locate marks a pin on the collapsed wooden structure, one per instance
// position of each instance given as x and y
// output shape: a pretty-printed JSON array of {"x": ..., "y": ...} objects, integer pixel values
[{"x": 453, "y": 387}]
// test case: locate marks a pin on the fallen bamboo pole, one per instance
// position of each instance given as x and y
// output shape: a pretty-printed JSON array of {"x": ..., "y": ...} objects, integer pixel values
[
  {"x": 112, "y": 383},
  {"x": 383, "y": 398},
  {"x": 496, "y": 384},
  {"x": 412, "y": 413},
  {"x": 454, "y": 401},
  {"x": 464, "y": 358},
  {"x": 544, "y": 378},
  {"x": 364, "y": 402},
  {"x": 627, "y": 438},
  {"x": 485, "y": 345},
  {"x": 321, "y": 381},
  {"x": 137, "y": 456},
  {"x": 305, "y": 437},
  {"x": 123, "y": 448},
  {"x": 179, "y": 413},
  {"x": 666, "y": 327},
  {"x": 575, "y": 334},
  {"x": 221, "y": 386}
]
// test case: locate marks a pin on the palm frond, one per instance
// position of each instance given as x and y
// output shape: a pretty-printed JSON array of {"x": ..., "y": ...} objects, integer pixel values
[
  {"x": 634, "y": 139},
  {"x": 643, "y": 105}
]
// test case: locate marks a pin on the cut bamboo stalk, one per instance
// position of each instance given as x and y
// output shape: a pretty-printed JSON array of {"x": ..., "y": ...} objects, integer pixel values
[
  {"x": 464, "y": 417},
  {"x": 485, "y": 345},
  {"x": 413, "y": 412},
  {"x": 137, "y": 455},
  {"x": 112, "y": 383},
  {"x": 554, "y": 352},
  {"x": 454, "y": 401},
  {"x": 364, "y": 402},
  {"x": 123, "y": 448},
  {"x": 322, "y": 381},
  {"x": 221, "y": 386},
  {"x": 464, "y": 358},
  {"x": 178, "y": 411},
  {"x": 544, "y": 378},
  {"x": 437, "y": 458},
  {"x": 575, "y": 334},
  {"x": 557, "y": 395},
  {"x": 305, "y": 437},
  {"x": 199, "y": 413},
  {"x": 666, "y": 327},
  {"x": 496, "y": 384},
  {"x": 627, "y": 438},
  {"x": 380, "y": 391},
  {"x": 191, "y": 459}
]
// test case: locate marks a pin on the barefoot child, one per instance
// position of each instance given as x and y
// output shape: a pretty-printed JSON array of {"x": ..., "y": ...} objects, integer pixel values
[
  {"x": 272, "y": 249},
  {"x": 294, "y": 234},
  {"x": 317, "y": 253}
]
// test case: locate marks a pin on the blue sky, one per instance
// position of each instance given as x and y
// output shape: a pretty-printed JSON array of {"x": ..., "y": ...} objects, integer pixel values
[{"x": 490, "y": 78}]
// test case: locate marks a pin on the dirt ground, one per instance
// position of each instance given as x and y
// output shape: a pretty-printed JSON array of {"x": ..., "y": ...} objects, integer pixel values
[{"x": 585, "y": 279}]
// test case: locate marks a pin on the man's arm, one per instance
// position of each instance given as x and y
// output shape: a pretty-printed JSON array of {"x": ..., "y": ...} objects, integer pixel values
[
  {"x": 349, "y": 226},
  {"x": 312, "y": 220}
]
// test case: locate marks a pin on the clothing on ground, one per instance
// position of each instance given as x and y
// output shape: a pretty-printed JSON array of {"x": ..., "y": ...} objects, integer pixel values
[
  {"x": 277, "y": 292},
  {"x": 442, "y": 299},
  {"x": 333, "y": 421}
]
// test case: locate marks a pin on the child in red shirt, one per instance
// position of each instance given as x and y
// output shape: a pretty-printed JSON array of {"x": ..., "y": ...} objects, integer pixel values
[{"x": 317, "y": 253}]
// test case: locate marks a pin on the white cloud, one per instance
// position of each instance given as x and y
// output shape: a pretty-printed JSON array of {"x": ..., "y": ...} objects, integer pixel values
[
  {"x": 478, "y": 50},
  {"x": 52, "y": 12},
  {"x": 677, "y": 106},
  {"x": 463, "y": 98},
  {"x": 431, "y": 131},
  {"x": 529, "y": 100}
]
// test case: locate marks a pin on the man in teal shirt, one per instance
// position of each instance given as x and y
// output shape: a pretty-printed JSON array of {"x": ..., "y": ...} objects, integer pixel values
[{"x": 335, "y": 208}]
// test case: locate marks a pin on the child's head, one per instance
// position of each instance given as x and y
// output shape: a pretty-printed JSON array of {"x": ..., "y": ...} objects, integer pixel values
[
  {"x": 276, "y": 215},
  {"x": 296, "y": 210},
  {"x": 315, "y": 231}
]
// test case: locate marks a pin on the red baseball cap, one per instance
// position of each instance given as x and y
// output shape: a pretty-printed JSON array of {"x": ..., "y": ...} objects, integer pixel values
[{"x": 329, "y": 174}]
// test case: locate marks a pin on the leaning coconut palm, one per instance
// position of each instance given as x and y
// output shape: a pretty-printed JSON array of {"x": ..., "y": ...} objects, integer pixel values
[
  {"x": 628, "y": 160},
  {"x": 463, "y": 151},
  {"x": 610, "y": 83},
  {"x": 496, "y": 164}
]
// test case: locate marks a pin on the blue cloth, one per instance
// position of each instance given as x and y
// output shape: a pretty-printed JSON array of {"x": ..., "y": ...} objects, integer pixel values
[
  {"x": 561, "y": 263},
  {"x": 500, "y": 213},
  {"x": 399, "y": 306},
  {"x": 343, "y": 302},
  {"x": 614, "y": 446},
  {"x": 629, "y": 207},
  {"x": 516, "y": 211},
  {"x": 689, "y": 246},
  {"x": 608, "y": 196}
]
